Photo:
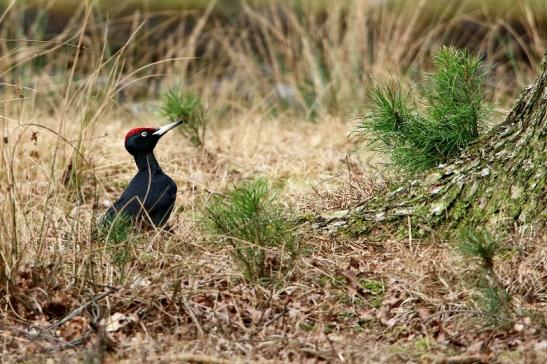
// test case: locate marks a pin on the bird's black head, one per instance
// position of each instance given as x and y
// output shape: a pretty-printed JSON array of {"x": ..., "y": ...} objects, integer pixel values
[{"x": 144, "y": 140}]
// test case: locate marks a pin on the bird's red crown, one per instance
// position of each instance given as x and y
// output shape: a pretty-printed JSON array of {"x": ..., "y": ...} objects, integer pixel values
[{"x": 135, "y": 131}]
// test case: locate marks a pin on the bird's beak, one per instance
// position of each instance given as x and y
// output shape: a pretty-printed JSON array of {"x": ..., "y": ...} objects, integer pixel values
[{"x": 164, "y": 129}]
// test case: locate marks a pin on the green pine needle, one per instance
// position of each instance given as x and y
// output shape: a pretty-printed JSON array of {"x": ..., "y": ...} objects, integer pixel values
[
  {"x": 251, "y": 219},
  {"x": 453, "y": 114},
  {"x": 186, "y": 106},
  {"x": 479, "y": 244}
]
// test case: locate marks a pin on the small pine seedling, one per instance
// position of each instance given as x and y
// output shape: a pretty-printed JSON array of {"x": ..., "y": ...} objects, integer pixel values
[
  {"x": 186, "y": 106},
  {"x": 479, "y": 244},
  {"x": 251, "y": 219},
  {"x": 496, "y": 304},
  {"x": 449, "y": 117},
  {"x": 495, "y": 300}
]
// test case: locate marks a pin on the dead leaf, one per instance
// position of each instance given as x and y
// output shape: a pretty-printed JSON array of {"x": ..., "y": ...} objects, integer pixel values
[
  {"x": 475, "y": 348},
  {"x": 118, "y": 321},
  {"x": 367, "y": 315},
  {"x": 354, "y": 263},
  {"x": 140, "y": 282},
  {"x": 353, "y": 282},
  {"x": 541, "y": 345},
  {"x": 518, "y": 327},
  {"x": 424, "y": 313}
]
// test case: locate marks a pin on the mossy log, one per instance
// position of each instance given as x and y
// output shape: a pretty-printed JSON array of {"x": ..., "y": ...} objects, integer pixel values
[{"x": 498, "y": 183}]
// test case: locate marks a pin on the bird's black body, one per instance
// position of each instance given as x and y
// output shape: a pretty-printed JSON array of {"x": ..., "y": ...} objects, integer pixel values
[{"x": 150, "y": 196}]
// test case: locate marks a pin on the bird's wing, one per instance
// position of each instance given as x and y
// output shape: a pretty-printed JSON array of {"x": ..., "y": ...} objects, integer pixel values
[
  {"x": 162, "y": 199},
  {"x": 157, "y": 196},
  {"x": 132, "y": 199}
]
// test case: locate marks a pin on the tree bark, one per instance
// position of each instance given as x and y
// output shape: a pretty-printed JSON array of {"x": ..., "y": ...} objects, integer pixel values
[{"x": 498, "y": 183}]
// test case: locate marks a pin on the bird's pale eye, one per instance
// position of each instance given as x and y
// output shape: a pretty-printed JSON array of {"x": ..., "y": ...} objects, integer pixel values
[{"x": 144, "y": 133}]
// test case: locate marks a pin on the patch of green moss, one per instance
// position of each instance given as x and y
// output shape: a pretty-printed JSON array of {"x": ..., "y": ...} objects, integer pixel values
[
  {"x": 424, "y": 344},
  {"x": 329, "y": 328},
  {"x": 336, "y": 282},
  {"x": 356, "y": 227},
  {"x": 376, "y": 289},
  {"x": 508, "y": 357},
  {"x": 307, "y": 326}
]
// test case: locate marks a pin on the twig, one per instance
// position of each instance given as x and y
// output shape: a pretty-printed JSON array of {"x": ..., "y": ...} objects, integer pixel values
[
  {"x": 469, "y": 312},
  {"x": 73, "y": 343},
  {"x": 277, "y": 317},
  {"x": 269, "y": 305},
  {"x": 461, "y": 359},
  {"x": 194, "y": 320},
  {"x": 196, "y": 358},
  {"x": 32, "y": 335},
  {"x": 79, "y": 310}
]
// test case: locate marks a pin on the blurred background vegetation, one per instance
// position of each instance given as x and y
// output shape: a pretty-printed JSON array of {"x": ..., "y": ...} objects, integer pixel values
[{"x": 308, "y": 58}]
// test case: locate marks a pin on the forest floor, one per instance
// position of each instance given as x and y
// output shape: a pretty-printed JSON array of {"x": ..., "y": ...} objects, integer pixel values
[{"x": 181, "y": 297}]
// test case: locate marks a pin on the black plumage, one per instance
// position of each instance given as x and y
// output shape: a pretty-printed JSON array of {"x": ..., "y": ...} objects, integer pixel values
[{"x": 150, "y": 196}]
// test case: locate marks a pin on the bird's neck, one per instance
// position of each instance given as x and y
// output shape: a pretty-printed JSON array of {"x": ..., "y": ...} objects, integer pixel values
[{"x": 147, "y": 162}]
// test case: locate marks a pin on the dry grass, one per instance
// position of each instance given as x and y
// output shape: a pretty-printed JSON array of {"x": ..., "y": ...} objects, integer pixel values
[{"x": 65, "y": 105}]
